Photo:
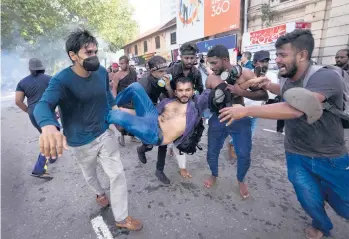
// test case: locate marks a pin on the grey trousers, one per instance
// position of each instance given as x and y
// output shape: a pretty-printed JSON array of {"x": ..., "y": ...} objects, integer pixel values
[{"x": 105, "y": 149}]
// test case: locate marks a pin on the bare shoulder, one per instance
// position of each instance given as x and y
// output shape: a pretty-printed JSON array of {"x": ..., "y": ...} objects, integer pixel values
[
  {"x": 247, "y": 74},
  {"x": 212, "y": 81}
]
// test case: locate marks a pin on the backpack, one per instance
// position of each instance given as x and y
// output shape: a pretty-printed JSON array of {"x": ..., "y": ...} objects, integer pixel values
[
  {"x": 219, "y": 98},
  {"x": 342, "y": 113},
  {"x": 191, "y": 143}
]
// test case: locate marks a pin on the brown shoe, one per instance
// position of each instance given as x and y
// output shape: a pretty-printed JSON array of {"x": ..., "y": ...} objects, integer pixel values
[
  {"x": 102, "y": 200},
  {"x": 130, "y": 223}
]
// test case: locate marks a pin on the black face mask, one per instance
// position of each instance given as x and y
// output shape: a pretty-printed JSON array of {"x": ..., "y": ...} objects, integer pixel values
[
  {"x": 260, "y": 70},
  {"x": 91, "y": 63}
]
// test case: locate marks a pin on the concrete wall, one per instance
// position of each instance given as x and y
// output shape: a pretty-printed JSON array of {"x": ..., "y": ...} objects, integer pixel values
[{"x": 329, "y": 22}]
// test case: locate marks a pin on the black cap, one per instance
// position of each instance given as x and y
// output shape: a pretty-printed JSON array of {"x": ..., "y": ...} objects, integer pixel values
[
  {"x": 35, "y": 65},
  {"x": 261, "y": 55}
]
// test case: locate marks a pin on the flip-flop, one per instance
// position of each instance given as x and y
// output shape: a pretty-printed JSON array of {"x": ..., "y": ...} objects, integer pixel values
[
  {"x": 45, "y": 176},
  {"x": 304, "y": 100}
]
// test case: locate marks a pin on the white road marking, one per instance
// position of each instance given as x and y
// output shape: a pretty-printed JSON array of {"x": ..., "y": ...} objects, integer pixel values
[
  {"x": 101, "y": 228},
  {"x": 273, "y": 131}
]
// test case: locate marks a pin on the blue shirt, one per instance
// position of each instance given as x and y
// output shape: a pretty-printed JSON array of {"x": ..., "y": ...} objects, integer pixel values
[
  {"x": 84, "y": 105},
  {"x": 248, "y": 65},
  {"x": 33, "y": 87}
]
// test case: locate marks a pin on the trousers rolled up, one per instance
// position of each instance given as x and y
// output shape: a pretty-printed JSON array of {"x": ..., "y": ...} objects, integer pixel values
[
  {"x": 104, "y": 150},
  {"x": 144, "y": 125}
]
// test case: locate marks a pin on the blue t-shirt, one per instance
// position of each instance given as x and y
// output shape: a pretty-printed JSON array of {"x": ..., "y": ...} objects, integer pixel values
[
  {"x": 33, "y": 87},
  {"x": 84, "y": 105}
]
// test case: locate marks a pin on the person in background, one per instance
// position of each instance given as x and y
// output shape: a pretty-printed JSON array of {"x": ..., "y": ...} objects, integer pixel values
[
  {"x": 246, "y": 60},
  {"x": 342, "y": 59},
  {"x": 140, "y": 74},
  {"x": 121, "y": 80},
  {"x": 32, "y": 87}
]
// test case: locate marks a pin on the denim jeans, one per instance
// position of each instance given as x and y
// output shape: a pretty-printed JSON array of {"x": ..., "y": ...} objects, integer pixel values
[
  {"x": 240, "y": 131},
  {"x": 144, "y": 125},
  {"x": 253, "y": 127},
  {"x": 316, "y": 180}
]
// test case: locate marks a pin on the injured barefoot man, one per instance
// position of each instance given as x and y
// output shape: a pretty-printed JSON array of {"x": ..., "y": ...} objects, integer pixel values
[{"x": 172, "y": 120}]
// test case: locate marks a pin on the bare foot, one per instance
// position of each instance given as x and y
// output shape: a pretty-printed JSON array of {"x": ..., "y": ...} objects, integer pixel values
[
  {"x": 210, "y": 181},
  {"x": 184, "y": 173},
  {"x": 243, "y": 190},
  {"x": 313, "y": 233}
]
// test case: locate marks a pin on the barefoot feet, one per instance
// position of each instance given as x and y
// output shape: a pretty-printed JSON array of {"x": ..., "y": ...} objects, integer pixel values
[
  {"x": 243, "y": 190},
  {"x": 210, "y": 181},
  {"x": 313, "y": 233},
  {"x": 184, "y": 173}
]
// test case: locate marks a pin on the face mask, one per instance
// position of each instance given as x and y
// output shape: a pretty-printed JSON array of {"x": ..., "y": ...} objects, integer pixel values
[
  {"x": 91, "y": 63},
  {"x": 232, "y": 76}
]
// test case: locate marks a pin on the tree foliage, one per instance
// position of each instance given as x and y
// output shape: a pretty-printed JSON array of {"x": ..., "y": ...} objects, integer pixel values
[{"x": 25, "y": 22}]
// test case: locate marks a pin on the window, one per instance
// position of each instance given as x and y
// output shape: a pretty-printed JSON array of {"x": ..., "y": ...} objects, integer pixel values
[
  {"x": 173, "y": 38},
  {"x": 128, "y": 50},
  {"x": 145, "y": 43},
  {"x": 136, "y": 50},
  {"x": 157, "y": 42}
]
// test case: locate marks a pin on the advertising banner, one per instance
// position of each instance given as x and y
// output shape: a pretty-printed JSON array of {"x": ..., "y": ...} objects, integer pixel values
[
  {"x": 200, "y": 18},
  {"x": 265, "y": 39},
  {"x": 228, "y": 41}
]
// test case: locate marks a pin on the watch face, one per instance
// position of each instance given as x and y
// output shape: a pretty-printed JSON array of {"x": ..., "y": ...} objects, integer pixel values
[{"x": 225, "y": 75}]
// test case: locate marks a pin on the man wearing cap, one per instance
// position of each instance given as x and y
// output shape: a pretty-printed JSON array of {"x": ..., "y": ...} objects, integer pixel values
[{"x": 32, "y": 87}]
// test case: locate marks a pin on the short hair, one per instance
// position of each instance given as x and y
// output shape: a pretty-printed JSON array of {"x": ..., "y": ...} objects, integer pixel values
[
  {"x": 37, "y": 72},
  {"x": 347, "y": 50},
  {"x": 219, "y": 51},
  {"x": 248, "y": 55},
  {"x": 184, "y": 80},
  {"x": 300, "y": 39},
  {"x": 156, "y": 61},
  {"x": 189, "y": 47},
  {"x": 124, "y": 58},
  {"x": 78, "y": 39}
]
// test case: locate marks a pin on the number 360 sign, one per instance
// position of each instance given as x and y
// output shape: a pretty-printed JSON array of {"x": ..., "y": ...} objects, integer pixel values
[{"x": 221, "y": 16}]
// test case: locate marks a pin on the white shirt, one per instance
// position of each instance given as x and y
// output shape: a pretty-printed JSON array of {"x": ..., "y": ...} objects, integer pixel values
[{"x": 274, "y": 79}]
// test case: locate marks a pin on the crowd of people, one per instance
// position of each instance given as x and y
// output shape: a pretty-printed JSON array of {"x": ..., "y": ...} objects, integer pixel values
[{"x": 165, "y": 107}]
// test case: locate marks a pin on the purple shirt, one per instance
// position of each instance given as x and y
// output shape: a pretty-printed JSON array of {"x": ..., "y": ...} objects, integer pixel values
[{"x": 195, "y": 108}]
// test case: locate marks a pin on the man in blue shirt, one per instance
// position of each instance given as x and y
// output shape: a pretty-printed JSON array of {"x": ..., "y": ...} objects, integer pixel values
[
  {"x": 32, "y": 87},
  {"x": 246, "y": 60},
  {"x": 83, "y": 95}
]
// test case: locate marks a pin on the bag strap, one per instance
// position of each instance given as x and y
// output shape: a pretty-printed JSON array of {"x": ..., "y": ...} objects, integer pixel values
[
  {"x": 311, "y": 71},
  {"x": 334, "y": 110}
]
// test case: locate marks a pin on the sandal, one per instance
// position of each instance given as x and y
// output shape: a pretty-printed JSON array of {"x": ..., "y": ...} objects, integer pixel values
[{"x": 45, "y": 176}]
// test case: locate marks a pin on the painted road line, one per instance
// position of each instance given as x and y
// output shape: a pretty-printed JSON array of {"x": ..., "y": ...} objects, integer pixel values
[
  {"x": 273, "y": 131},
  {"x": 101, "y": 228}
]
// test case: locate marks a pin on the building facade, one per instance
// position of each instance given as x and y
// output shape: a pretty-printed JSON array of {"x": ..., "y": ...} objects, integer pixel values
[
  {"x": 329, "y": 21},
  {"x": 160, "y": 40}
]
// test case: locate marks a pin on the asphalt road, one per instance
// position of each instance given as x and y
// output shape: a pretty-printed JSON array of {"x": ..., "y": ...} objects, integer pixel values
[{"x": 64, "y": 207}]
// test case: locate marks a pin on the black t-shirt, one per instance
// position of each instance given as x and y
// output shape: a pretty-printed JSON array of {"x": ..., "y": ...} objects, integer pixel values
[
  {"x": 150, "y": 84},
  {"x": 33, "y": 87}
]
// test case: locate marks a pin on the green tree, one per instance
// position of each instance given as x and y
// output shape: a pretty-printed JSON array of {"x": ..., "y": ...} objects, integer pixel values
[{"x": 25, "y": 22}]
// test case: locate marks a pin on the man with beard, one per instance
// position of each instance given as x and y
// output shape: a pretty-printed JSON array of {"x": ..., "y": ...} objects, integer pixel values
[
  {"x": 240, "y": 131},
  {"x": 316, "y": 155},
  {"x": 121, "y": 80},
  {"x": 32, "y": 87},
  {"x": 83, "y": 95},
  {"x": 172, "y": 120},
  {"x": 342, "y": 59}
]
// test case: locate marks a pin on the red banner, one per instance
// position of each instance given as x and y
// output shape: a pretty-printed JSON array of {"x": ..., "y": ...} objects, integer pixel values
[{"x": 268, "y": 35}]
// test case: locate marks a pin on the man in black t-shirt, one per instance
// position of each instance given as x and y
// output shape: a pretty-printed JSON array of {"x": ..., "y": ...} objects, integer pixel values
[{"x": 32, "y": 87}]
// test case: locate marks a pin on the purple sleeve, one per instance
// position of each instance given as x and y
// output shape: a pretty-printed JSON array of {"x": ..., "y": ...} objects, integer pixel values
[
  {"x": 161, "y": 105},
  {"x": 202, "y": 100}
]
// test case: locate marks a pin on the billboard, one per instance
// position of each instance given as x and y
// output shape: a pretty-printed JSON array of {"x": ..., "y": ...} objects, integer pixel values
[
  {"x": 228, "y": 41},
  {"x": 265, "y": 39},
  {"x": 200, "y": 18}
]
